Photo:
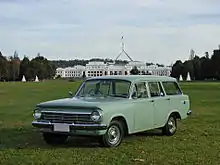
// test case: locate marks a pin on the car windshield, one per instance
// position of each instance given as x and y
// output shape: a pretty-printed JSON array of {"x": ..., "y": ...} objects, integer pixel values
[{"x": 105, "y": 88}]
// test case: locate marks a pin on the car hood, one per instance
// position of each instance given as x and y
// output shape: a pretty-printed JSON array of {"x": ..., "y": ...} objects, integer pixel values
[{"x": 79, "y": 102}]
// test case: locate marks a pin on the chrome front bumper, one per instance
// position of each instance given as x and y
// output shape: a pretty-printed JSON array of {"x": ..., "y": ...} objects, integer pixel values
[
  {"x": 43, "y": 124},
  {"x": 189, "y": 112}
]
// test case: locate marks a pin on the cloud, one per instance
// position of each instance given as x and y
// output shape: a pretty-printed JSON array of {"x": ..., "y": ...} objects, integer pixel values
[{"x": 154, "y": 30}]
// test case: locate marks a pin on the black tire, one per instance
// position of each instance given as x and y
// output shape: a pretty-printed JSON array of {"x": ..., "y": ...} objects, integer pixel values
[
  {"x": 114, "y": 134},
  {"x": 171, "y": 126},
  {"x": 54, "y": 139}
]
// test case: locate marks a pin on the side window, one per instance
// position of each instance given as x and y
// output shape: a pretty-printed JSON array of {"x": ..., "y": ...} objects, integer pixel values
[
  {"x": 155, "y": 89},
  {"x": 105, "y": 87},
  {"x": 171, "y": 88},
  {"x": 122, "y": 88},
  {"x": 140, "y": 90}
]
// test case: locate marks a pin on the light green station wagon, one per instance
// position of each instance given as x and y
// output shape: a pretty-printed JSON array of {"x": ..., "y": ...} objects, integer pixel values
[{"x": 111, "y": 107}]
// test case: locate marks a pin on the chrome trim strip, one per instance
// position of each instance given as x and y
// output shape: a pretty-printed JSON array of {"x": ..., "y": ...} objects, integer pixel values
[
  {"x": 77, "y": 126},
  {"x": 68, "y": 112}
]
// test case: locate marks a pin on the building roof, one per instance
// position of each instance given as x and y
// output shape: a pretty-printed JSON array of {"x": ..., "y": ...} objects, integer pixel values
[{"x": 135, "y": 77}]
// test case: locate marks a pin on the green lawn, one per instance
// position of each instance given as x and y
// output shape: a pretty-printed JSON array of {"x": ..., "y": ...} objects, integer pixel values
[{"x": 197, "y": 141}]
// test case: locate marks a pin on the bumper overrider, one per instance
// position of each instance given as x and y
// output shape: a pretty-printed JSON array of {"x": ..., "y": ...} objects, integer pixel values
[
  {"x": 44, "y": 124},
  {"x": 189, "y": 112}
]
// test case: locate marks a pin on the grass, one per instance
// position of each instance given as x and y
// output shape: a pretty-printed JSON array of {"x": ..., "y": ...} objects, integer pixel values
[{"x": 196, "y": 142}]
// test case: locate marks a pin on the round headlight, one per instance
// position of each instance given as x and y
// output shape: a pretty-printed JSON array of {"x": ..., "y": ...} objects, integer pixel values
[
  {"x": 37, "y": 114},
  {"x": 96, "y": 115}
]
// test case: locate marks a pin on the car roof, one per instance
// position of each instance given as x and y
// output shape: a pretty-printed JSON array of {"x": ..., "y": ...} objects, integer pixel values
[{"x": 135, "y": 77}]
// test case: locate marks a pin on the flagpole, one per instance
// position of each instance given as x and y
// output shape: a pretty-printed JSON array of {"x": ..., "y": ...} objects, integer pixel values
[
  {"x": 123, "y": 49},
  {"x": 122, "y": 42}
]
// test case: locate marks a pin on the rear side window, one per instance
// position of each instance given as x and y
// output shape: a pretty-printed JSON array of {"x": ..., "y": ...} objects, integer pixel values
[
  {"x": 171, "y": 88},
  {"x": 155, "y": 89}
]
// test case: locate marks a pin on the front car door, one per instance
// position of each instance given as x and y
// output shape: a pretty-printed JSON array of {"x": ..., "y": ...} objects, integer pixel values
[
  {"x": 161, "y": 103},
  {"x": 143, "y": 108}
]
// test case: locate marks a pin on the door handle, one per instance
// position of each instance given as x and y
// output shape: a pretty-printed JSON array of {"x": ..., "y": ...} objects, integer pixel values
[
  {"x": 151, "y": 100},
  {"x": 183, "y": 101},
  {"x": 167, "y": 98}
]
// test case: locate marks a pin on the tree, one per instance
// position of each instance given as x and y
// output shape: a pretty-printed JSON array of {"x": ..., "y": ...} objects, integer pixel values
[
  {"x": 177, "y": 69},
  {"x": 207, "y": 69},
  {"x": 16, "y": 55},
  {"x": 197, "y": 68},
  {"x": 3, "y": 68},
  {"x": 134, "y": 71},
  {"x": 207, "y": 55},
  {"x": 25, "y": 68},
  {"x": 41, "y": 67},
  {"x": 188, "y": 68},
  {"x": 14, "y": 67},
  {"x": 216, "y": 63},
  {"x": 84, "y": 75}
]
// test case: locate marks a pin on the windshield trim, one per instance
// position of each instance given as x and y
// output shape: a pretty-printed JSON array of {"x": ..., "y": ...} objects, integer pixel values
[{"x": 100, "y": 79}]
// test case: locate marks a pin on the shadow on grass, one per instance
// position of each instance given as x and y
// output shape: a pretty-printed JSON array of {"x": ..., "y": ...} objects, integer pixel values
[{"x": 23, "y": 138}]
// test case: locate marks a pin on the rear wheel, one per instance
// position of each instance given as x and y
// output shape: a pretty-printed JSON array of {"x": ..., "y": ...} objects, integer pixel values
[
  {"x": 114, "y": 134},
  {"x": 171, "y": 126},
  {"x": 51, "y": 138}
]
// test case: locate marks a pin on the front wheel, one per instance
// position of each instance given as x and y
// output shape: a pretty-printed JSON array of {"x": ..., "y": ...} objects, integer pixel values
[
  {"x": 170, "y": 127},
  {"x": 114, "y": 134},
  {"x": 51, "y": 138}
]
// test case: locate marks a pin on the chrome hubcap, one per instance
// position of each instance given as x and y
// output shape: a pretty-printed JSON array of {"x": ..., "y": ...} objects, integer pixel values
[
  {"x": 113, "y": 135},
  {"x": 172, "y": 125}
]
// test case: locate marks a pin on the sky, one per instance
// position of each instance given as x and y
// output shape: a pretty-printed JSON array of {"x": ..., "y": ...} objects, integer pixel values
[{"x": 158, "y": 31}]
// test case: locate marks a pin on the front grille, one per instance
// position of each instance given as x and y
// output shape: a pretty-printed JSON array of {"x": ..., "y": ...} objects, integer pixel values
[{"x": 66, "y": 118}]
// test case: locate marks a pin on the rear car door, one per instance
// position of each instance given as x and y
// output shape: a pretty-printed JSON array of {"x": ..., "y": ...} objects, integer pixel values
[{"x": 160, "y": 102}]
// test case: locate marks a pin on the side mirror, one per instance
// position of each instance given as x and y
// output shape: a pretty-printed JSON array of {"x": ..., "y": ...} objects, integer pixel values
[
  {"x": 161, "y": 94},
  {"x": 70, "y": 93}
]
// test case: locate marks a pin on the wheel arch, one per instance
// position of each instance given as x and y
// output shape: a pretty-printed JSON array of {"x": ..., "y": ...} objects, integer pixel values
[
  {"x": 176, "y": 113},
  {"x": 122, "y": 119}
]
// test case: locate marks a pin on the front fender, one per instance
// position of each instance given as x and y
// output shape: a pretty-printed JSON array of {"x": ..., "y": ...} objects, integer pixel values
[
  {"x": 129, "y": 123},
  {"x": 124, "y": 111},
  {"x": 117, "y": 115}
]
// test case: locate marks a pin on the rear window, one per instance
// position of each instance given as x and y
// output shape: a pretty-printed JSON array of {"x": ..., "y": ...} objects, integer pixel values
[{"x": 171, "y": 88}]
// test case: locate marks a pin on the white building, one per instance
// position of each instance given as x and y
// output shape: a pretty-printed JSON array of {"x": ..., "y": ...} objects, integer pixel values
[
  {"x": 76, "y": 71},
  {"x": 160, "y": 71},
  {"x": 97, "y": 68}
]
